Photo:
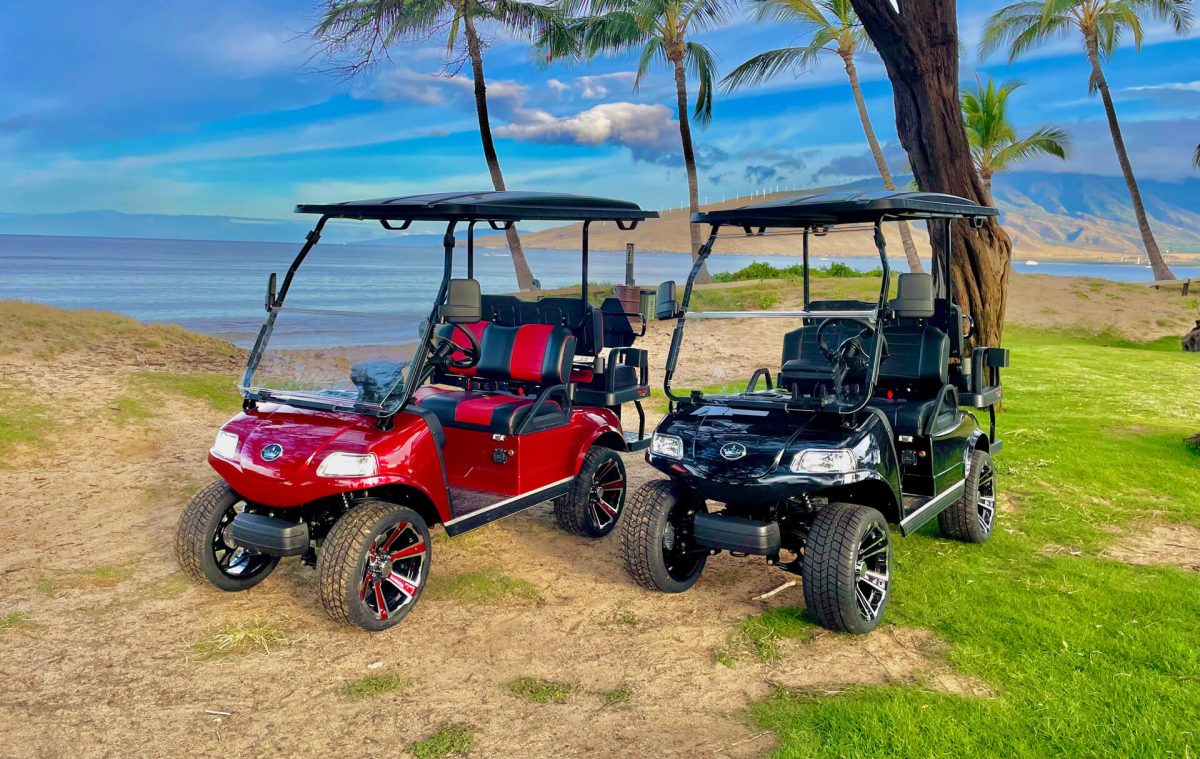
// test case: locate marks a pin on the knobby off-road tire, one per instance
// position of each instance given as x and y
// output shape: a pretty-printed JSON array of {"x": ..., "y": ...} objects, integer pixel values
[
  {"x": 656, "y": 537},
  {"x": 201, "y": 542},
  {"x": 597, "y": 498},
  {"x": 972, "y": 518},
  {"x": 847, "y": 568},
  {"x": 375, "y": 558}
]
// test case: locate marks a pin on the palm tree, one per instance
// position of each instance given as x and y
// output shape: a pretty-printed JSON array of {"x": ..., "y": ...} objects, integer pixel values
[
  {"x": 366, "y": 30},
  {"x": 1102, "y": 23},
  {"x": 660, "y": 30},
  {"x": 829, "y": 26},
  {"x": 994, "y": 143}
]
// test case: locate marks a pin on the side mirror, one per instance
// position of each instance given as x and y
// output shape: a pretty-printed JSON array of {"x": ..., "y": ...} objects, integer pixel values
[
  {"x": 665, "y": 305},
  {"x": 968, "y": 325},
  {"x": 270, "y": 292},
  {"x": 464, "y": 302}
]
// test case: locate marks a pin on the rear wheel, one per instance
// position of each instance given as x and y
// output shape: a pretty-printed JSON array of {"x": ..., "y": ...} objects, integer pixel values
[
  {"x": 203, "y": 548},
  {"x": 656, "y": 541},
  {"x": 847, "y": 568},
  {"x": 596, "y": 500},
  {"x": 374, "y": 564},
  {"x": 972, "y": 518}
]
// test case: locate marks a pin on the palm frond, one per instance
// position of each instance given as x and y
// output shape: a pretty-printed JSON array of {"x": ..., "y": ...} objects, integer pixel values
[
  {"x": 654, "y": 50},
  {"x": 1045, "y": 141},
  {"x": 767, "y": 65},
  {"x": 702, "y": 64}
]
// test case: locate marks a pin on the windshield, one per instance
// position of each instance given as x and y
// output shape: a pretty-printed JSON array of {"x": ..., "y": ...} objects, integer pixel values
[
  {"x": 754, "y": 319},
  {"x": 350, "y": 328}
]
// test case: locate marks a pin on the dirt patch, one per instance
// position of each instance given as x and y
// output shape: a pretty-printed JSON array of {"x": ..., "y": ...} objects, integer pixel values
[{"x": 1176, "y": 545}]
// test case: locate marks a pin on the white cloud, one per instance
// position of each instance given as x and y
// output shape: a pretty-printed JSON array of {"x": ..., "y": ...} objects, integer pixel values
[
  {"x": 635, "y": 125},
  {"x": 1193, "y": 86}
]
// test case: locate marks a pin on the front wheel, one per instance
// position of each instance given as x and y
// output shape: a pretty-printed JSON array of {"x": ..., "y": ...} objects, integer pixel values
[
  {"x": 374, "y": 564},
  {"x": 597, "y": 496},
  {"x": 657, "y": 546},
  {"x": 203, "y": 547},
  {"x": 972, "y": 517},
  {"x": 847, "y": 568}
]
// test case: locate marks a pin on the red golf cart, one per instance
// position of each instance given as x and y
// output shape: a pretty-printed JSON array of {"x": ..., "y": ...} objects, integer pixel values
[{"x": 348, "y": 457}]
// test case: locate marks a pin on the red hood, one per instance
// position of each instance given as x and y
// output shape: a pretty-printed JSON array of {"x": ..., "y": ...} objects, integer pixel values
[{"x": 302, "y": 434}]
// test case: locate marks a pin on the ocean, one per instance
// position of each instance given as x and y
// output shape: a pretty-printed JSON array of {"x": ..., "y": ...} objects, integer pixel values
[{"x": 218, "y": 288}]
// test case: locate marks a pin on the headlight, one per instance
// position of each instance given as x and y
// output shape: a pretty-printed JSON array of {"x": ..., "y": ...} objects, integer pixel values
[
  {"x": 824, "y": 461},
  {"x": 670, "y": 446},
  {"x": 225, "y": 445},
  {"x": 349, "y": 465}
]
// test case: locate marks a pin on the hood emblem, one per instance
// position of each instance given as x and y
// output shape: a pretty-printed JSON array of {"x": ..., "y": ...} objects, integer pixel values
[
  {"x": 271, "y": 452},
  {"x": 733, "y": 451}
]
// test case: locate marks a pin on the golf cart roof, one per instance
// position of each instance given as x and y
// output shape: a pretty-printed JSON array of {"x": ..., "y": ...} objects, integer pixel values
[
  {"x": 484, "y": 206},
  {"x": 834, "y": 208}
]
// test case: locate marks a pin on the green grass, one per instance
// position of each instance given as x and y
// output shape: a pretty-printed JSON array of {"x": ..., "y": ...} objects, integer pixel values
[
  {"x": 22, "y": 420},
  {"x": 14, "y": 619},
  {"x": 373, "y": 685},
  {"x": 219, "y": 390},
  {"x": 484, "y": 586},
  {"x": 618, "y": 696},
  {"x": 760, "y": 634},
  {"x": 541, "y": 691},
  {"x": 1088, "y": 656},
  {"x": 126, "y": 410},
  {"x": 258, "y": 635},
  {"x": 448, "y": 740}
]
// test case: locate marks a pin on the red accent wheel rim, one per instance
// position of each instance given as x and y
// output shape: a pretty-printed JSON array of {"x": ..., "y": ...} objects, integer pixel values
[
  {"x": 608, "y": 493},
  {"x": 392, "y": 572}
]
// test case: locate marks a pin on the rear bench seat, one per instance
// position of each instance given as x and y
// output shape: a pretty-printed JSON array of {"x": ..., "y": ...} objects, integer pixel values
[{"x": 533, "y": 357}]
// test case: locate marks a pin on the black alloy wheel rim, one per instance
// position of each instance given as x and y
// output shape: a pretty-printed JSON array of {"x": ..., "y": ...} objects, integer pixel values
[
  {"x": 985, "y": 507},
  {"x": 391, "y": 577},
  {"x": 872, "y": 575},
  {"x": 233, "y": 560},
  {"x": 607, "y": 494},
  {"x": 680, "y": 554}
]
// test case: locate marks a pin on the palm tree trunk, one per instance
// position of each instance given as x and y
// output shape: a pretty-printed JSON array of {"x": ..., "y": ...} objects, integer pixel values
[
  {"x": 985, "y": 176},
  {"x": 475, "y": 52},
  {"x": 689, "y": 156},
  {"x": 910, "y": 250},
  {"x": 918, "y": 42},
  {"x": 1157, "y": 264}
]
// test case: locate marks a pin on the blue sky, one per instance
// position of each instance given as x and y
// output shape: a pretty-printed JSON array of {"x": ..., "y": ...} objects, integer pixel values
[{"x": 216, "y": 107}]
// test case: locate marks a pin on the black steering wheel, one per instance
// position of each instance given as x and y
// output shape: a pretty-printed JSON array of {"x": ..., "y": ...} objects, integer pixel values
[
  {"x": 850, "y": 349},
  {"x": 445, "y": 348}
]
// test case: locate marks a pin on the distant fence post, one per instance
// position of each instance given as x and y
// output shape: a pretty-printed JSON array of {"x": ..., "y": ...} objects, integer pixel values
[{"x": 629, "y": 264}]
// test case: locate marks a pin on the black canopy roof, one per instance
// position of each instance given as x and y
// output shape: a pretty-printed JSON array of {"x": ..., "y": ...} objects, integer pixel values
[
  {"x": 484, "y": 206},
  {"x": 834, "y": 208}
]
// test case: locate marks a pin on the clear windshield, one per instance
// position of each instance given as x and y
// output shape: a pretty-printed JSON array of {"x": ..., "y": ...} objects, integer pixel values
[
  {"x": 756, "y": 320},
  {"x": 350, "y": 328}
]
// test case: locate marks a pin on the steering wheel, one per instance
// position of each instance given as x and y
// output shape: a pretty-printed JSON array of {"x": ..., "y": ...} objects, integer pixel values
[
  {"x": 831, "y": 354},
  {"x": 445, "y": 348}
]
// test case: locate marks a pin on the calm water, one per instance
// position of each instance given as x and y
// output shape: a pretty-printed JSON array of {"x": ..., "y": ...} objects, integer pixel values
[{"x": 218, "y": 287}]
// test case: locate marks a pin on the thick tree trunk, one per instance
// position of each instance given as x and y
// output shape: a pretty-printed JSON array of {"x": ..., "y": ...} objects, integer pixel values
[
  {"x": 1157, "y": 265},
  {"x": 910, "y": 250},
  {"x": 689, "y": 155},
  {"x": 919, "y": 47},
  {"x": 475, "y": 53}
]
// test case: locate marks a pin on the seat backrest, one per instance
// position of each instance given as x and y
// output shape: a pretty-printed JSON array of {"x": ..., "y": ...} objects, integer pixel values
[
  {"x": 454, "y": 332},
  {"x": 917, "y": 359},
  {"x": 581, "y": 320},
  {"x": 800, "y": 345},
  {"x": 914, "y": 297},
  {"x": 540, "y": 354}
]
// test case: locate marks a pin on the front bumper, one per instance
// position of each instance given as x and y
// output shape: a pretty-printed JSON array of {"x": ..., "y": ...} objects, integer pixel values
[
  {"x": 777, "y": 485},
  {"x": 274, "y": 537}
]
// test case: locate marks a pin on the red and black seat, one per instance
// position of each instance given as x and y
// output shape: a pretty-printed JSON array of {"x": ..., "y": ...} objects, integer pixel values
[{"x": 528, "y": 362}]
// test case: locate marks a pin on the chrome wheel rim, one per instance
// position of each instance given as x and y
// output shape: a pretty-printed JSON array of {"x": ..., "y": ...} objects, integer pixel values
[
  {"x": 607, "y": 494},
  {"x": 392, "y": 573},
  {"x": 985, "y": 508},
  {"x": 233, "y": 560},
  {"x": 872, "y": 572}
]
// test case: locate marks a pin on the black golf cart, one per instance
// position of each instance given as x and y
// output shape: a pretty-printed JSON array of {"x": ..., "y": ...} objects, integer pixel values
[{"x": 861, "y": 427}]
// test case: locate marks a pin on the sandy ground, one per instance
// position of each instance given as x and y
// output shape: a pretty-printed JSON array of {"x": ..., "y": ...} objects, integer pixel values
[{"x": 101, "y": 664}]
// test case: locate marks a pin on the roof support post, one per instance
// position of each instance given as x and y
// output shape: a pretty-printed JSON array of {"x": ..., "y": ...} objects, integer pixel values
[
  {"x": 587, "y": 225},
  {"x": 471, "y": 250},
  {"x": 806, "y": 293}
]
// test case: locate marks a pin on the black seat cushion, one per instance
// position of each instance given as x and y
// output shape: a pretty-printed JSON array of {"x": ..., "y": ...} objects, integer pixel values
[
  {"x": 498, "y": 413},
  {"x": 907, "y": 417},
  {"x": 917, "y": 359}
]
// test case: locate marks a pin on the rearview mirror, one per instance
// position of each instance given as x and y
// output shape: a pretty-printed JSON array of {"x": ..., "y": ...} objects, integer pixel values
[
  {"x": 665, "y": 307},
  {"x": 464, "y": 302},
  {"x": 270, "y": 291}
]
